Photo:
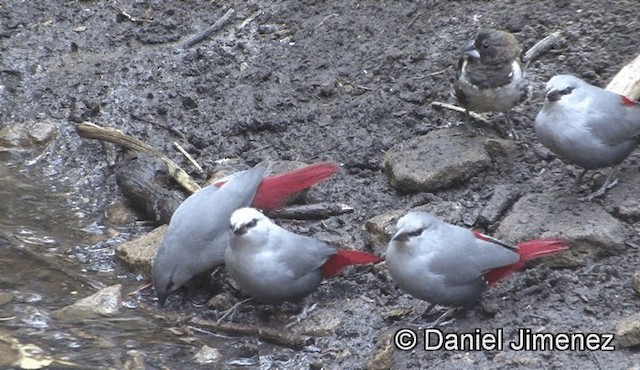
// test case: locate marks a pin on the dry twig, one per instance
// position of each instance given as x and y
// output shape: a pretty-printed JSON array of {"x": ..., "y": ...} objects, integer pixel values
[
  {"x": 315, "y": 211},
  {"x": 272, "y": 335},
  {"x": 455, "y": 108},
  {"x": 226, "y": 18},
  {"x": 89, "y": 130},
  {"x": 541, "y": 47},
  {"x": 188, "y": 156}
]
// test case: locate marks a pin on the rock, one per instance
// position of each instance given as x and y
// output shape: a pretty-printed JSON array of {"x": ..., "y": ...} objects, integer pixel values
[
  {"x": 503, "y": 197},
  {"x": 439, "y": 159},
  {"x": 628, "y": 331},
  {"x": 27, "y": 134},
  {"x": 383, "y": 351},
  {"x": 636, "y": 281},
  {"x": 105, "y": 302},
  {"x": 321, "y": 323},
  {"x": 138, "y": 254},
  {"x": 380, "y": 228},
  {"x": 590, "y": 231},
  {"x": 207, "y": 355},
  {"x": 119, "y": 214},
  {"x": 5, "y": 297}
]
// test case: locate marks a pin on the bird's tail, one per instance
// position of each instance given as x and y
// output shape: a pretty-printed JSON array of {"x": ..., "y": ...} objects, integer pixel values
[
  {"x": 274, "y": 191},
  {"x": 343, "y": 258},
  {"x": 527, "y": 250}
]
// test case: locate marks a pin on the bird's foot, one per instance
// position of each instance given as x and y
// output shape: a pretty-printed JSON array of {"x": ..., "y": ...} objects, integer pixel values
[
  {"x": 302, "y": 315},
  {"x": 440, "y": 321},
  {"x": 512, "y": 132},
  {"x": 608, "y": 184},
  {"x": 232, "y": 311}
]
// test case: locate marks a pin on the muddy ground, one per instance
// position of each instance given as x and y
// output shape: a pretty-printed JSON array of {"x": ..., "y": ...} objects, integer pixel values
[{"x": 313, "y": 81}]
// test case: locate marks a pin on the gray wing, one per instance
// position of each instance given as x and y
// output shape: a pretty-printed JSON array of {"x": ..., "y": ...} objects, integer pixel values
[
  {"x": 302, "y": 254},
  {"x": 199, "y": 227},
  {"x": 469, "y": 256},
  {"x": 612, "y": 121}
]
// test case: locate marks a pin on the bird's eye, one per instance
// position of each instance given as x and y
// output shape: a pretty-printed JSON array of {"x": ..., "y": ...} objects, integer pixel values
[
  {"x": 484, "y": 45},
  {"x": 566, "y": 91},
  {"x": 415, "y": 233},
  {"x": 252, "y": 223}
]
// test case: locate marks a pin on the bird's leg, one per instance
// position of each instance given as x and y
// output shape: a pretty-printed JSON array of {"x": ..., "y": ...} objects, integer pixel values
[
  {"x": 608, "y": 184},
  {"x": 306, "y": 310},
  {"x": 232, "y": 311},
  {"x": 512, "y": 131},
  {"x": 446, "y": 314},
  {"x": 438, "y": 321},
  {"x": 578, "y": 180}
]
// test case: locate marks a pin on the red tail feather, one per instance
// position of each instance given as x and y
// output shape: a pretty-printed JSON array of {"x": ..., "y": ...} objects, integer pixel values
[
  {"x": 527, "y": 250},
  {"x": 274, "y": 190},
  {"x": 343, "y": 258},
  {"x": 629, "y": 102}
]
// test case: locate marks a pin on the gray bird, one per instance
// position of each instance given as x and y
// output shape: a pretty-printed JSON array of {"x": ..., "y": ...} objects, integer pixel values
[
  {"x": 449, "y": 265},
  {"x": 198, "y": 233},
  {"x": 274, "y": 265},
  {"x": 588, "y": 126},
  {"x": 490, "y": 76}
]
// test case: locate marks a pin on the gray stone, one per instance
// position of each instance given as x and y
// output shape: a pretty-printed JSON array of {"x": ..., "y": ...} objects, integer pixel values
[
  {"x": 504, "y": 196},
  {"x": 138, "y": 254},
  {"x": 590, "y": 231},
  {"x": 636, "y": 281},
  {"x": 5, "y": 297},
  {"x": 628, "y": 331},
  {"x": 207, "y": 355},
  {"x": 105, "y": 302},
  {"x": 439, "y": 159},
  {"x": 27, "y": 134}
]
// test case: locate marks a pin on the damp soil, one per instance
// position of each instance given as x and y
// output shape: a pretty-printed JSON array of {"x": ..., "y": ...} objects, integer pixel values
[{"x": 325, "y": 81}]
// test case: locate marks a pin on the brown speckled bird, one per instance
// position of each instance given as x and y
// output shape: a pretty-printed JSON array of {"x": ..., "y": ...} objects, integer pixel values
[{"x": 490, "y": 75}]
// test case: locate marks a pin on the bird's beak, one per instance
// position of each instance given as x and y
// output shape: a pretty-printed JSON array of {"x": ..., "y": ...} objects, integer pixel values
[
  {"x": 553, "y": 95},
  {"x": 470, "y": 50}
]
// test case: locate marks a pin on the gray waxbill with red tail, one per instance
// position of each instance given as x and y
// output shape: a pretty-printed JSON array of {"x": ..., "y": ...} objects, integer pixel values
[
  {"x": 588, "y": 126},
  {"x": 449, "y": 265},
  {"x": 274, "y": 265},
  {"x": 198, "y": 233},
  {"x": 490, "y": 76}
]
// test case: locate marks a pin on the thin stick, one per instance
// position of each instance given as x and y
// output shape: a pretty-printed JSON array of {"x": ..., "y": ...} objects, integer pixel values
[
  {"x": 541, "y": 47},
  {"x": 316, "y": 211},
  {"x": 89, "y": 130},
  {"x": 249, "y": 20},
  {"x": 188, "y": 156},
  {"x": 455, "y": 108},
  {"x": 226, "y": 18},
  {"x": 325, "y": 18},
  {"x": 129, "y": 16},
  {"x": 272, "y": 335}
]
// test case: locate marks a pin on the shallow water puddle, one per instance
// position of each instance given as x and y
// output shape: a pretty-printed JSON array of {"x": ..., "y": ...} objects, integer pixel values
[{"x": 47, "y": 240}]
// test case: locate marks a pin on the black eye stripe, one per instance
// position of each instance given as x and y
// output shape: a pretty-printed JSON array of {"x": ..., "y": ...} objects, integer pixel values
[
  {"x": 415, "y": 233},
  {"x": 253, "y": 223},
  {"x": 566, "y": 91}
]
